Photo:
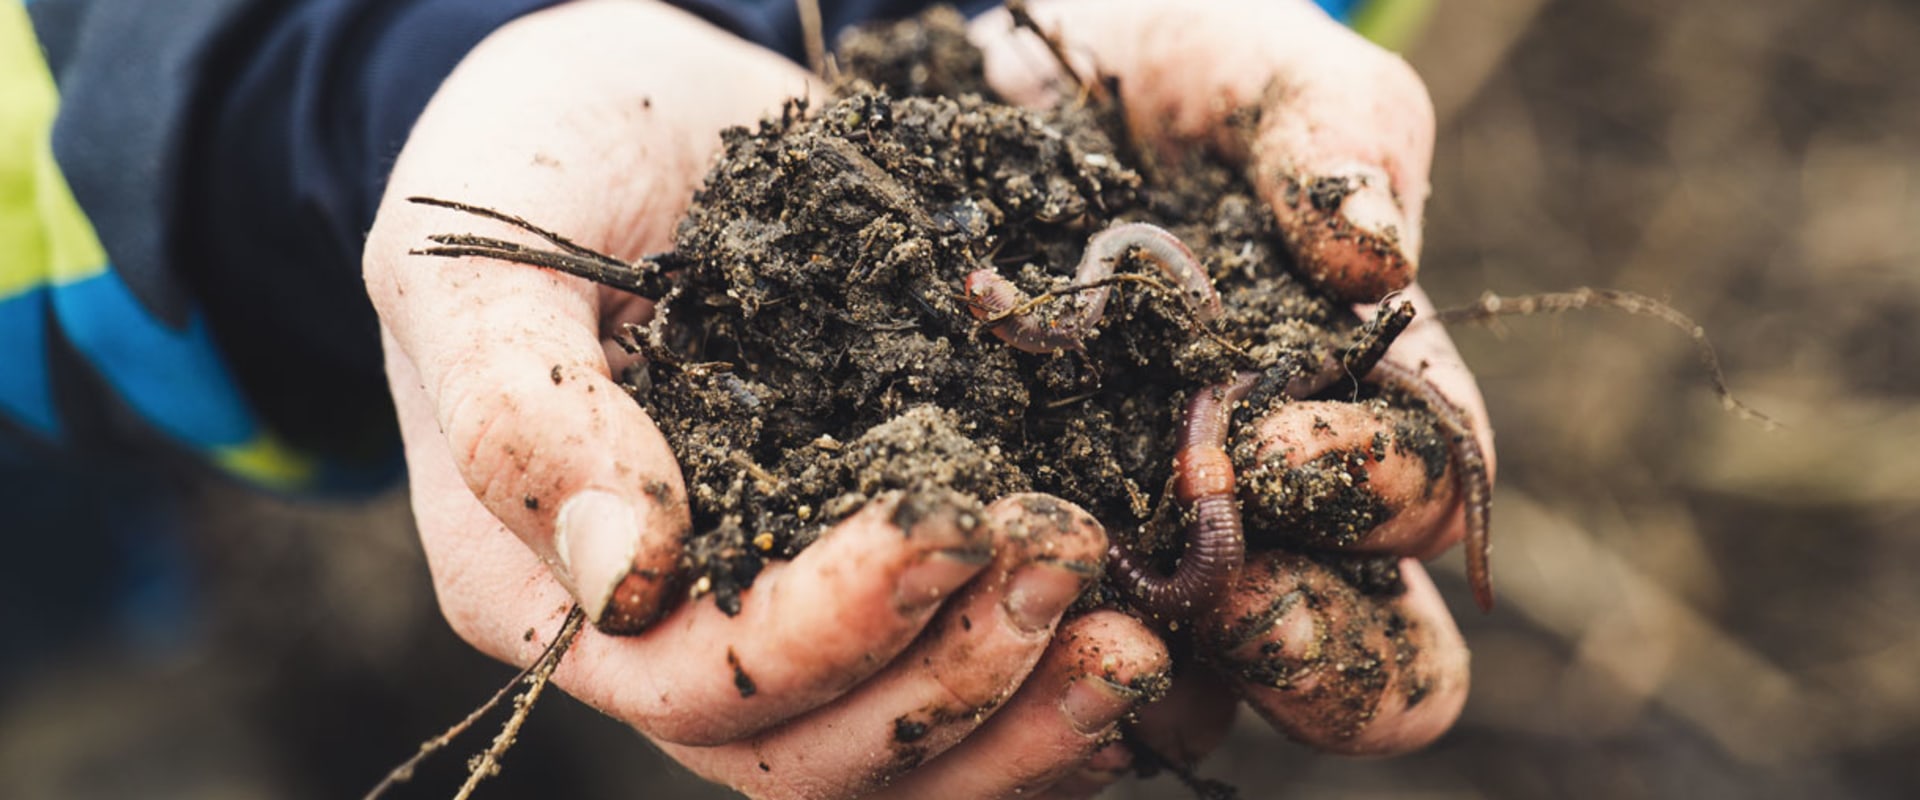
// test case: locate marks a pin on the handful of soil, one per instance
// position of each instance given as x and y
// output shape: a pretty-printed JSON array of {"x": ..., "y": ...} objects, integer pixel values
[
  {"x": 918, "y": 288},
  {"x": 821, "y": 348}
]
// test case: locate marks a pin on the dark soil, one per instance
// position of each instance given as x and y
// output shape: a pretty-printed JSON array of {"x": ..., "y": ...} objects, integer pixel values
[
  {"x": 1688, "y": 608},
  {"x": 819, "y": 350}
]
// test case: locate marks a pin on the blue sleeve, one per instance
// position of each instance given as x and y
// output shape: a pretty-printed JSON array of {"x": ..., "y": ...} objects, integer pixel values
[
  {"x": 201, "y": 196},
  {"x": 223, "y": 160}
]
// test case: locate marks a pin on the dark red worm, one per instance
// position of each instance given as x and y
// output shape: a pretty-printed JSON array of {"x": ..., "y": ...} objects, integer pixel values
[
  {"x": 1469, "y": 464},
  {"x": 1216, "y": 541},
  {"x": 992, "y": 297},
  {"x": 1216, "y": 545}
]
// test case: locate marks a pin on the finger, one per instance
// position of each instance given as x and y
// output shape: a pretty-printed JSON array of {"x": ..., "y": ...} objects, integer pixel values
[
  {"x": 1363, "y": 478},
  {"x": 1340, "y": 475},
  {"x": 965, "y": 666},
  {"x": 1426, "y": 349},
  {"x": 1337, "y": 669},
  {"x": 1100, "y": 667},
  {"x": 806, "y": 631},
  {"x": 1343, "y": 140},
  {"x": 543, "y": 436},
  {"x": 510, "y": 357}
]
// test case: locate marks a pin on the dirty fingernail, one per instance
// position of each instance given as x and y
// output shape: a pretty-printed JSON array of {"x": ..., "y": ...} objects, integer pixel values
[
  {"x": 1040, "y": 592},
  {"x": 1093, "y": 704},
  {"x": 936, "y": 575},
  {"x": 595, "y": 538},
  {"x": 1369, "y": 203}
]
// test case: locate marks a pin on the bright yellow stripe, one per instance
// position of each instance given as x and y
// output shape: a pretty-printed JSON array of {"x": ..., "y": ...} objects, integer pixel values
[
  {"x": 268, "y": 462},
  {"x": 43, "y": 233},
  {"x": 1392, "y": 24}
]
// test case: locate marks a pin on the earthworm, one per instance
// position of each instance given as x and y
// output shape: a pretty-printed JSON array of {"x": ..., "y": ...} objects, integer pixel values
[
  {"x": 1469, "y": 462},
  {"x": 1216, "y": 544},
  {"x": 995, "y": 300}
]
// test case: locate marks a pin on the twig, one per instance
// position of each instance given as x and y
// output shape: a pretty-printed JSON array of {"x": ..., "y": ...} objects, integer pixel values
[
  {"x": 487, "y": 764},
  {"x": 646, "y": 277},
  {"x": 1491, "y": 306},
  {"x": 813, "y": 32},
  {"x": 404, "y": 772},
  {"x": 1023, "y": 18},
  {"x": 1370, "y": 343}
]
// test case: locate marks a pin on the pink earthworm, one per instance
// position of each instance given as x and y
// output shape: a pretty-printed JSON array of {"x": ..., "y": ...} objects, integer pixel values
[
  {"x": 1469, "y": 463},
  {"x": 1216, "y": 543},
  {"x": 994, "y": 299}
]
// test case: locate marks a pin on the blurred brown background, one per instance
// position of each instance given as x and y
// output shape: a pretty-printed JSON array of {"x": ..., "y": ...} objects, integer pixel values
[{"x": 1691, "y": 606}]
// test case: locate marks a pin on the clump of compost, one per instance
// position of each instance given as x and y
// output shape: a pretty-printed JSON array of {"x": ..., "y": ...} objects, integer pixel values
[{"x": 821, "y": 348}]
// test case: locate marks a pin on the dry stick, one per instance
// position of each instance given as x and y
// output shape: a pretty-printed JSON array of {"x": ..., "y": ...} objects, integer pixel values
[
  {"x": 565, "y": 243},
  {"x": 1491, "y": 306},
  {"x": 1370, "y": 343},
  {"x": 487, "y": 764},
  {"x": 1024, "y": 19},
  {"x": 645, "y": 277},
  {"x": 404, "y": 772},
  {"x": 813, "y": 32}
]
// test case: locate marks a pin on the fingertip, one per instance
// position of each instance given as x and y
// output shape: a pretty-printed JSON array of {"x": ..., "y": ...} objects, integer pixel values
[
  {"x": 1348, "y": 232},
  {"x": 1118, "y": 648},
  {"x": 1444, "y": 670},
  {"x": 553, "y": 449},
  {"x": 1342, "y": 155},
  {"x": 1342, "y": 670},
  {"x": 1052, "y": 529},
  {"x": 595, "y": 535},
  {"x": 1057, "y": 552},
  {"x": 1346, "y": 476},
  {"x": 1097, "y": 671}
]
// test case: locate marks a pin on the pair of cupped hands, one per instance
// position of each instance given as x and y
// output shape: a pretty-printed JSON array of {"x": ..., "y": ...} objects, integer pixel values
[{"x": 918, "y": 648}]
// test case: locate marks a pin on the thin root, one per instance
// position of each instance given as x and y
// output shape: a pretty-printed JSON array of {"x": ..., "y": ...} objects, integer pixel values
[
  {"x": 1491, "y": 306},
  {"x": 1023, "y": 18},
  {"x": 487, "y": 764},
  {"x": 646, "y": 277},
  {"x": 816, "y": 39},
  {"x": 555, "y": 649}
]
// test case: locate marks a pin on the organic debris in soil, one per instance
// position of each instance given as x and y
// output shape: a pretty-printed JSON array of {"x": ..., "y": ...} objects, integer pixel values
[{"x": 818, "y": 350}]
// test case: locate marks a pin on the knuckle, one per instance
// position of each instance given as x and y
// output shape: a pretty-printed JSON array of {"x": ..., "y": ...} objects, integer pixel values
[
  {"x": 967, "y": 693},
  {"x": 481, "y": 427}
]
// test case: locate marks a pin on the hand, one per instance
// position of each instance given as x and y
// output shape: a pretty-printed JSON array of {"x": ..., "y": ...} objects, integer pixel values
[
  {"x": 874, "y": 656},
  {"x": 1334, "y": 112}
]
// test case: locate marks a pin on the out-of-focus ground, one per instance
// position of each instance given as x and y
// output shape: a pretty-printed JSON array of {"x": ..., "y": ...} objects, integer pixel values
[{"x": 1690, "y": 606}]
